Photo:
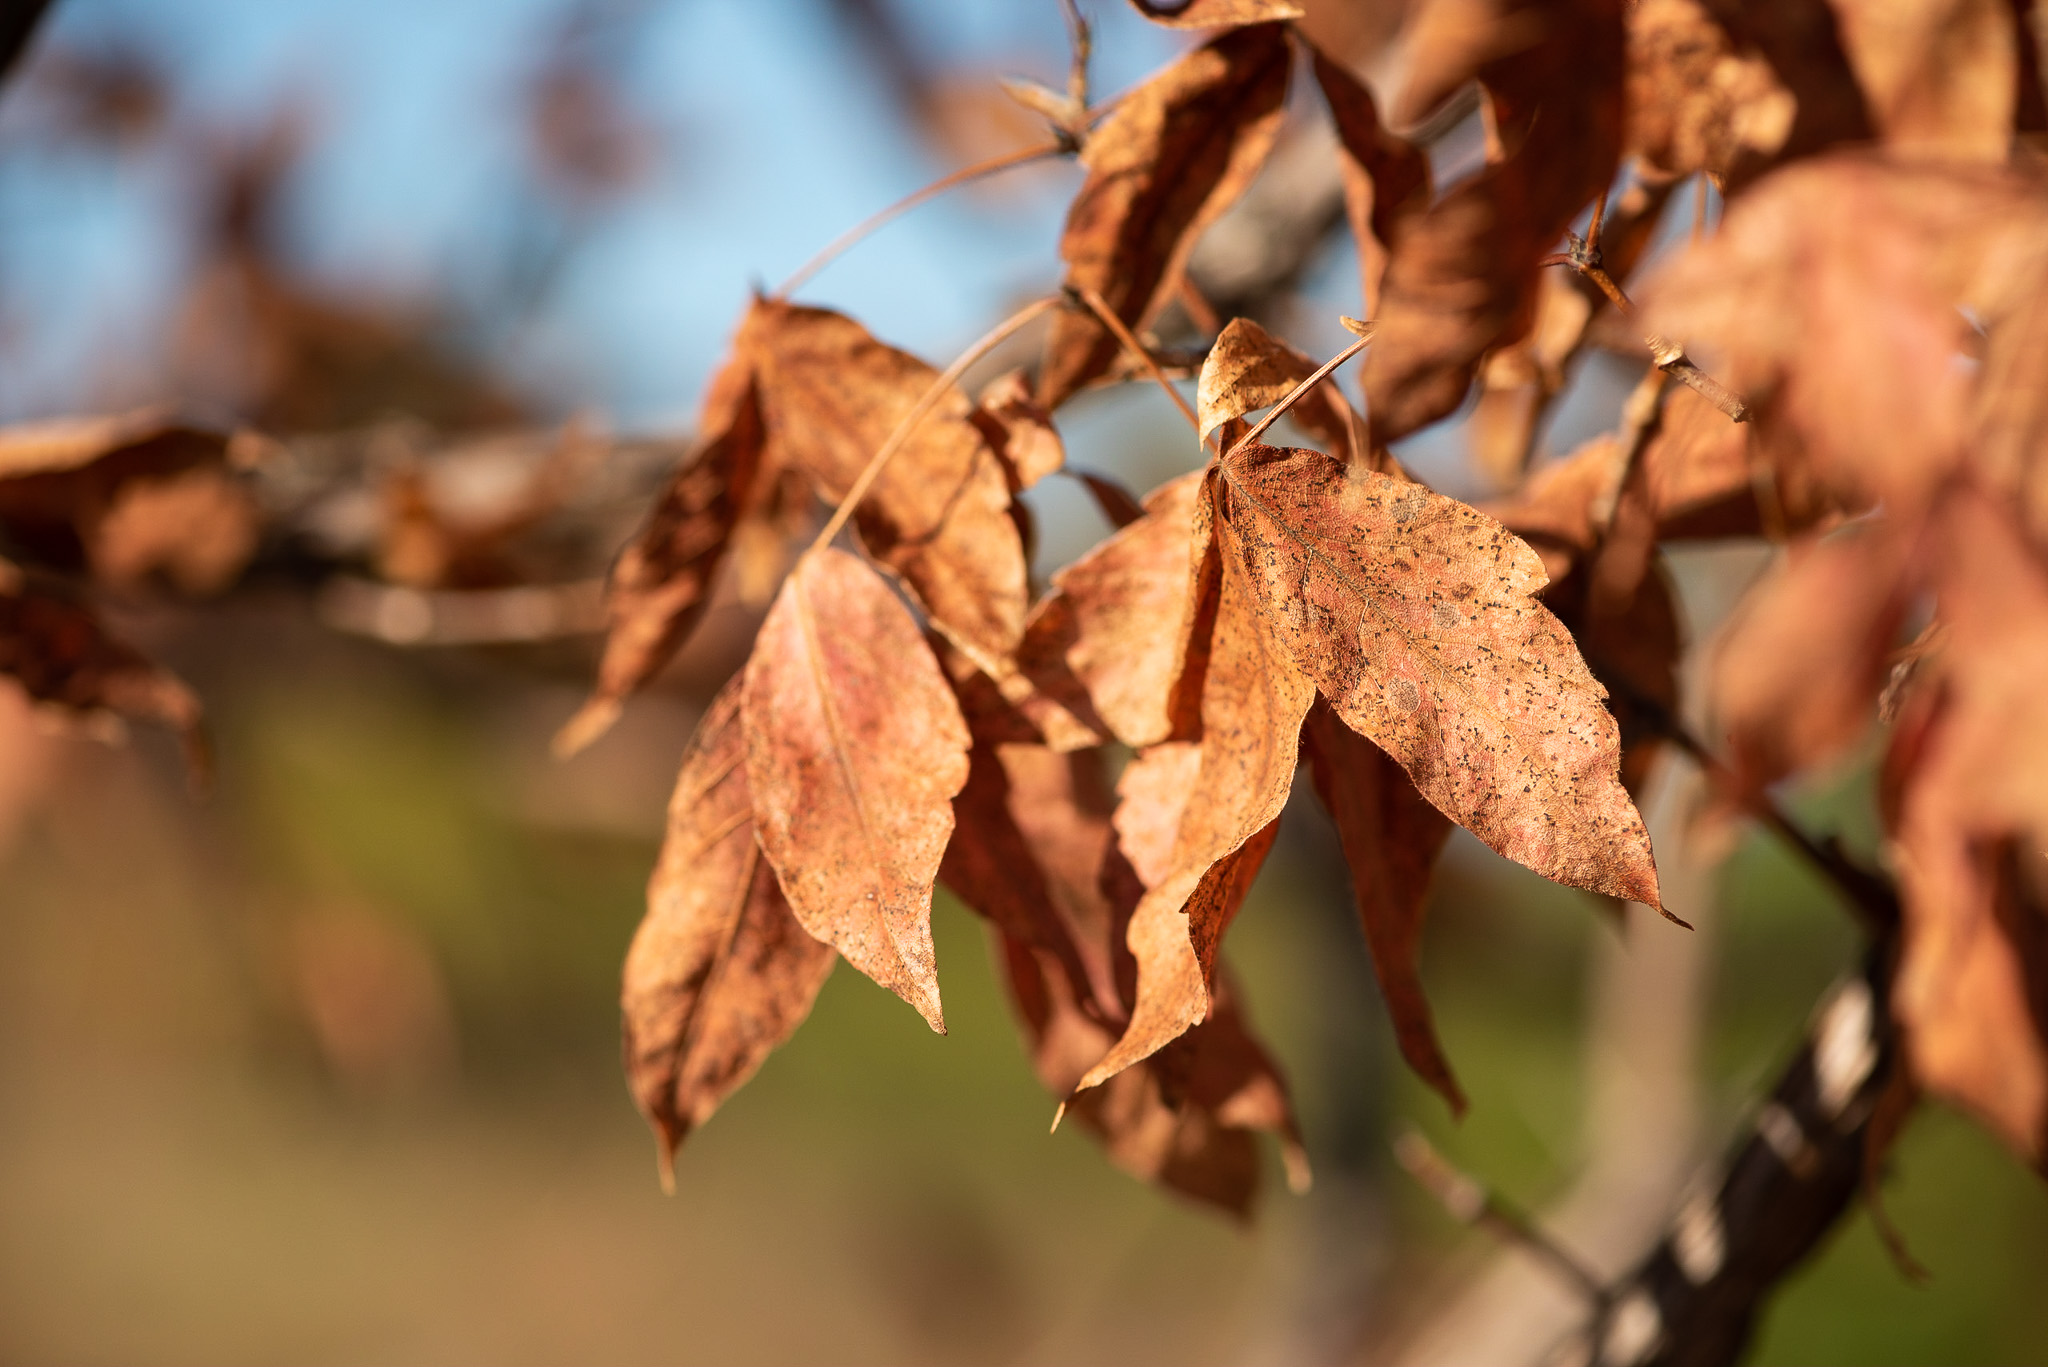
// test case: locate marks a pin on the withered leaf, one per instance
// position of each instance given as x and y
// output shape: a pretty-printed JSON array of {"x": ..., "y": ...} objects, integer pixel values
[
  {"x": 1384, "y": 175},
  {"x": 128, "y": 497},
  {"x": 1802, "y": 42},
  {"x": 1108, "y": 644},
  {"x": 719, "y": 973},
  {"x": 1215, "y": 13},
  {"x": 1940, "y": 77},
  {"x": 855, "y": 748},
  {"x": 1252, "y": 703},
  {"x": 1172, "y": 156},
  {"x": 661, "y": 582},
  {"x": 1462, "y": 277},
  {"x": 55, "y": 647},
  {"x": 1797, "y": 676},
  {"x": 1973, "y": 973},
  {"x": 1019, "y": 430},
  {"x": 1391, "y": 838},
  {"x": 1697, "y": 101},
  {"x": 1248, "y": 369},
  {"x": 1152, "y": 792},
  {"x": 939, "y": 513},
  {"x": 1418, "y": 618}
]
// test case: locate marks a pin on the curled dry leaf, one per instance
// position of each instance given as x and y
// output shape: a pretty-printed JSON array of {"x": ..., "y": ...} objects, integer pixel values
[
  {"x": 939, "y": 514},
  {"x": 661, "y": 582},
  {"x": 1706, "y": 477},
  {"x": 1215, "y": 13},
  {"x": 1019, "y": 430},
  {"x": 1108, "y": 645},
  {"x": 1174, "y": 154},
  {"x": 719, "y": 973},
  {"x": 1248, "y": 369},
  {"x": 1391, "y": 837},
  {"x": 1463, "y": 275},
  {"x": 1802, "y": 42},
  {"x": 1797, "y": 676},
  {"x": 1152, "y": 792},
  {"x": 1418, "y": 618},
  {"x": 1253, "y": 700},
  {"x": 129, "y": 498},
  {"x": 55, "y": 647},
  {"x": 1385, "y": 176},
  {"x": 855, "y": 748},
  {"x": 1969, "y": 831}
]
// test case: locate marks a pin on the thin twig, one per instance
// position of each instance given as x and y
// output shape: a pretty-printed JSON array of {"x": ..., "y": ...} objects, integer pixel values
[
  {"x": 1469, "y": 1202},
  {"x": 1022, "y": 157},
  {"x": 924, "y": 405},
  {"x": 1100, "y": 307},
  {"x": 1584, "y": 257},
  {"x": 1593, "y": 224}
]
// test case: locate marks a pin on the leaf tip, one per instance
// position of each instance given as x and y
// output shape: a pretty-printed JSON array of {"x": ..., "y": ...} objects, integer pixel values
[
  {"x": 1668, "y": 914},
  {"x": 1357, "y": 327},
  {"x": 1059, "y": 1114},
  {"x": 1293, "y": 1157},
  {"x": 591, "y": 721}
]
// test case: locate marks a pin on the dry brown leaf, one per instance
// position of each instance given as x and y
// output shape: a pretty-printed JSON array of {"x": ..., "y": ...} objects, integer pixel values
[
  {"x": 661, "y": 582},
  {"x": 938, "y": 515},
  {"x": 1797, "y": 675},
  {"x": 1391, "y": 837},
  {"x": 1108, "y": 645},
  {"x": 1173, "y": 155},
  {"x": 1418, "y": 618},
  {"x": 55, "y": 647},
  {"x": 855, "y": 749},
  {"x": 1833, "y": 296},
  {"x": 1252, "y": 703},
  {"x": 1940, "y": 77},
  {"x": 1019, "y": 430},
  {"x": 129, "y": 498},
  {"x": 1152, "y": 792},
  {"x": 1696, "y": 101},
  {"x": 1215, "y": 13},
  {"x": 1462, "y": 278},
  {"x": 1969, "y": 833},
  {"x": 1384, "y": 175},
  {"x": 1249, "y": 368},
  {"x": 719, "y": 973}
]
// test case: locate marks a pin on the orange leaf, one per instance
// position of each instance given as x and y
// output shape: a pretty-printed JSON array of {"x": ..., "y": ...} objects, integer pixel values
[
  {"x": 1019, "y": 430},
  {"x": 1248, "y": 369},
  {"x": 939, "y": 513},
  {"x": 855, "y": 748},
  {"x": 661, "y": 583},
  {"x": 1172, "y": 156},
  {"x": 1216, "y": 13},
  {"x": 719, "y": 973},
  {"x": 1417, "y": 617},
  {"x": 1384, "y": 175}
]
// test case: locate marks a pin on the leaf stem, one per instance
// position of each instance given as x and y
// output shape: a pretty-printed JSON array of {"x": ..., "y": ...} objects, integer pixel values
[
  {"x": 1123, "y": 334},
  {"x": 1022, "y": 157},
  {"x": 1584, "y": 257},
  {"x": 1293, "y": 396},
  {"x": 926, "y": 402}
]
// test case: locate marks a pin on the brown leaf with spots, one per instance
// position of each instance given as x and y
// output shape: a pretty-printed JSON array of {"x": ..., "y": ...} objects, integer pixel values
[
  {"x": 1172, "y": 156},
  {"x": 939, "y": 513},
  {"x": 1797, "y": 675},
  {"x": 1019, "y": 430},
  {"x": 128, "y": 498},
  {"x": 661, "y": 582},
  {"x": 1971, "y": 993},
  {"x": 1108, "y": 646},
  {"x": 719, "y": 973},
  {"x": 1215, "y": 13},
  {"x": 1391, "y": 837},
  {"x": 1252, "y": 703},
  {"x": 1418, "y": 618},
  {"x": 855, "y": 749},
  {"x": 54, "y": 646},
  {"x": 1385, "y": 176},
  {"x": 1249, "y": 368},
  {"x": 1463, "y": 275}
]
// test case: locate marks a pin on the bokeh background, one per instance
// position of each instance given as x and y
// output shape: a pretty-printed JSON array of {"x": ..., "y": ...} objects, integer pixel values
[{"x": 324, "y": 1067}]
